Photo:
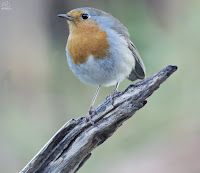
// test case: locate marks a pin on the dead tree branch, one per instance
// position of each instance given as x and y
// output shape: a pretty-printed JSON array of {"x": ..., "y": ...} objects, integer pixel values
[{"x": 71, "y": 146}]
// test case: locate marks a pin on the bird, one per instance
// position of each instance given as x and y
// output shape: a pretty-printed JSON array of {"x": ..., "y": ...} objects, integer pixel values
[{"x": 99, "y": 50}]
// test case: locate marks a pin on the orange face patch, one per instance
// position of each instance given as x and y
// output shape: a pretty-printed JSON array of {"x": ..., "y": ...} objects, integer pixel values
[{"x": 85, "y": 39}]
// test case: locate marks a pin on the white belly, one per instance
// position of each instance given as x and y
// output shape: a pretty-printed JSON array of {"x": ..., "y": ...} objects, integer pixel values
[{"x": 107, "y": 71}]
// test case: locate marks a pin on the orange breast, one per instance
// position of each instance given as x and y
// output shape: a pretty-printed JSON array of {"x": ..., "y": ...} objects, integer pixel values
[{"x": 86, "y": 39}]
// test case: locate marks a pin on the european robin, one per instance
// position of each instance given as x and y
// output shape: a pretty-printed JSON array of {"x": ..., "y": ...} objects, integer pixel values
[{"x": 99, "y": 50}]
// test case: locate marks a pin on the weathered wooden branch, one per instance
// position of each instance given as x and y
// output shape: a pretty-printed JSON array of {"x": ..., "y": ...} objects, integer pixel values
[{"x": 71, "y": 146}]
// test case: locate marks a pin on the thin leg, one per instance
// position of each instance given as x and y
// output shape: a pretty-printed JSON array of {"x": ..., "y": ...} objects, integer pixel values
[
  {"x": 114, "y": 92},
  {"x": 111, "y": 96},
  {"x": 88, "y": 116},
  {"x": 117, "y": 85},
  {"x": 95, "y": 96}
]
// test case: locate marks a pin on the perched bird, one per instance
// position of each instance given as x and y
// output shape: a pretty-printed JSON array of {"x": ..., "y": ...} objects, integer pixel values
[{"x": 99, "y": 50}]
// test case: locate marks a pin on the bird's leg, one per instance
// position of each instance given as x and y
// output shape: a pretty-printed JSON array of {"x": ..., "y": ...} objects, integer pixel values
[
  {"x": 116, "y": 89},
  {"x": 111, "y": 96},
  {"x": 89, "y": 114}
]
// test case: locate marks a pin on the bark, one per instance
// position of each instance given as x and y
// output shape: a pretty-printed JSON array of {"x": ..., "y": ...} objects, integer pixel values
[{"x": 71, "y": 146}]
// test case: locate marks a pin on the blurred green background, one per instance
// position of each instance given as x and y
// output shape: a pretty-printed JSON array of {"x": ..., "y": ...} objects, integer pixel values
[{"x": 38, "y": 92}]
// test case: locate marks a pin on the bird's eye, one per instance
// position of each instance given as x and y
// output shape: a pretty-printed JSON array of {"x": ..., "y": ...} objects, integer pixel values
[{"x": 85, "y": 16}]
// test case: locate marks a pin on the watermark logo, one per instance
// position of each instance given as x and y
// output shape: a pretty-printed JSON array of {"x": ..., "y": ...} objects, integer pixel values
[{"x": 6, "y": 5}]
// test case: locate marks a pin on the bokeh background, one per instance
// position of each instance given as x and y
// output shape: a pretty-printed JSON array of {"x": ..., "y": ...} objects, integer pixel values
[{"x": 38, "y": 92}]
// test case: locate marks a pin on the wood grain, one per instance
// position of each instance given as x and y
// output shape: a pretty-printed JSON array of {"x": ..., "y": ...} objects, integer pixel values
[{"x": 71, "y": 146}]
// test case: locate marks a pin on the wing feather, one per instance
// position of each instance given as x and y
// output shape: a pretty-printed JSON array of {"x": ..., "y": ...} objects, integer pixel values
[{"x": 139, "y": 69}]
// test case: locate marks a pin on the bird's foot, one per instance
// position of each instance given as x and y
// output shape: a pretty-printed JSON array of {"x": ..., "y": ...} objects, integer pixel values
[
  {"x": 111, "y": 96},
  {"x": 88, "y": 117}
]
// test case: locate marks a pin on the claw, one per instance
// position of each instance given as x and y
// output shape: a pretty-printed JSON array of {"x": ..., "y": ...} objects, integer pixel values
[
  {"x": 88, "y": 117},
  {"x": 111, "y": 96}
]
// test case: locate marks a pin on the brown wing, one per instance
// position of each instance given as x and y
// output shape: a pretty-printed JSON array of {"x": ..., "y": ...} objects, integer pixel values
[{"x": 138, "y": 71}]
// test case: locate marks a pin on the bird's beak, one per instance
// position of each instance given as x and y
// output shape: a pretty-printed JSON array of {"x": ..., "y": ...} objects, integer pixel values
[{"x": 66, "y": 17}]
